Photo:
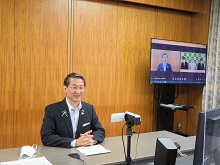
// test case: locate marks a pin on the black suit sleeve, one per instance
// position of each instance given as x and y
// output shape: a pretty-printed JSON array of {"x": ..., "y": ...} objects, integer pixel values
[
  {"x": 96, "y": 127},
  {"x": 51, "y": 130}
]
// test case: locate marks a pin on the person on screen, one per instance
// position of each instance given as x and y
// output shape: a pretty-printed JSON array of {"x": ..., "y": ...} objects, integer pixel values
[
  {"x": 184, "y": 64},
  {"x": 71, "y": 122},
  {"x": 201, "y": 66},
  {"x": 192, "y": 65},
  {"x": 164, "y": 66}
]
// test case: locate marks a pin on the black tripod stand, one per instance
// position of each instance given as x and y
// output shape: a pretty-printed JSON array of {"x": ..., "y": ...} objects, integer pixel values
[{"x": 128, "y": 134}]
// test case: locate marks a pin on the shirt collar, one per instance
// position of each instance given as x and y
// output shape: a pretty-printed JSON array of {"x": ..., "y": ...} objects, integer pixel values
[
  {"x": 164, "y": 63},
  {"x": 70, "y": 106}
]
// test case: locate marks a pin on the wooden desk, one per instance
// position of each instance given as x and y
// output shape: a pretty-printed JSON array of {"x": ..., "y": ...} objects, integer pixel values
[{"x": 145, "y": 150}]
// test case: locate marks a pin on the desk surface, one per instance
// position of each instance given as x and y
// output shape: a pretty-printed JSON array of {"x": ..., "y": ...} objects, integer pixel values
[{"x": 145, "y": 150}]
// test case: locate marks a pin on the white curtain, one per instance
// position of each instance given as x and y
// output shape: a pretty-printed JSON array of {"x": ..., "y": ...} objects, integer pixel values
[{"x": 211, "y": 93}]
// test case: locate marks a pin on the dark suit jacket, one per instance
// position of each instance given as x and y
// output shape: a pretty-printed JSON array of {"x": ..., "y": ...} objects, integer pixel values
[
  {"x": 168, "y": 67},
  {"x": 201, "y": 67},
  {"x": 57, "y": 129},
  {"x": 184, "y": 66}
]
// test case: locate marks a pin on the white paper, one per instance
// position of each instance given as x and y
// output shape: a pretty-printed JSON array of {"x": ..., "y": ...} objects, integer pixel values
[
  {"x": 93, "y": 150},
  {"x": 31, "y": 161}
]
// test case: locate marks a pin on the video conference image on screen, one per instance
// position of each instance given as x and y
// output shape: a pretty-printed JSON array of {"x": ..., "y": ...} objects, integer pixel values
[{"x": 176, "y": 62}]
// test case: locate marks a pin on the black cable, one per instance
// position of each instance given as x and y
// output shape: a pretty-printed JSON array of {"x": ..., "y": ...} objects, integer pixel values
[
  {"x": 158, "y": 104},
  {"x": 136, "y": 142},
  {"x": 176, "y": 93},
  {"x": 81, "y": 161},
  {"x": 123, "y": 140},
  {"x": 160, "y": 96},
  {"x": 76, "y": 156},
  {"x": 137, "y": 145}
]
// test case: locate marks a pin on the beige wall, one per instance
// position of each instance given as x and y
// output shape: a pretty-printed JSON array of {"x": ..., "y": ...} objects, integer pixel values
[{"x": 107, "y": 42}]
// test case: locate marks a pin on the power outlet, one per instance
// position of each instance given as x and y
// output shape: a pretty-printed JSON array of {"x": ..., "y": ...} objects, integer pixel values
[{"x": 179, "y": 126}]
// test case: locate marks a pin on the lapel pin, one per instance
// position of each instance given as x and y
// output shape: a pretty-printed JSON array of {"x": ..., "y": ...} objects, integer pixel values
[{"x": 64, "y": 113}]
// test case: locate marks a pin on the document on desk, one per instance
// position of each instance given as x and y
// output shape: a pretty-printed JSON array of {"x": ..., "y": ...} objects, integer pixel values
[
  {"x": 32, "y": 161},
  {"x": 93, "y": 150}
]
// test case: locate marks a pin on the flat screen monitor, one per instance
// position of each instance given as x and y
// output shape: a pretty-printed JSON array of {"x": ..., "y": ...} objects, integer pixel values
[
  {"x": 207, "y": 147},
  {"x": 174, "y": 62}
]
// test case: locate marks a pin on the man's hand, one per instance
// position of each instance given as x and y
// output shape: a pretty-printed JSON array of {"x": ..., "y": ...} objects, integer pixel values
[{"x": 85, "y": 139}]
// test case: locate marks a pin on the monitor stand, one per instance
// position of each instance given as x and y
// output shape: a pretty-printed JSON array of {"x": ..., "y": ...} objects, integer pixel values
[{"x": 164, "y": 93}]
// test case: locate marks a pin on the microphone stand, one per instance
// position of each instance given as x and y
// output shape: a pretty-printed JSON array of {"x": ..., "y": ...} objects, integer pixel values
[{"x": 129, "y": 134}]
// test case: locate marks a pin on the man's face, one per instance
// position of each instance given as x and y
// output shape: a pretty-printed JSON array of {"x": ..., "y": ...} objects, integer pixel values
[
  {"x": 164, "y": 58},
  {"x": 75, "y": 90}
]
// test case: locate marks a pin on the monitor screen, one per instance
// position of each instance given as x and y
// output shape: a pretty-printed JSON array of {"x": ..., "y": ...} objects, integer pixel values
[
  {"x": 174, "y": 62},
  {"x": 207, "y": 147}
]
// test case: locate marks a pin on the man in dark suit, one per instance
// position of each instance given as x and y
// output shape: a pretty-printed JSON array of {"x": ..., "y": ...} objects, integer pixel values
[
  {"x": 201, "y": 66},
  {"x": 71, "y": 122},
  {"x": 164, "y": 66},
  {"x": 184, "y": 64}
]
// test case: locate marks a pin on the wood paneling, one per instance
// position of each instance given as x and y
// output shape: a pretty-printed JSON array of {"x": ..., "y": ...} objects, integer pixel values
[
  {"x": 40, "y": 65},
  {"x": 133, "y": 56},
  {"x": 107, "y": 42},
  {"x": 95, "y": 55},
  {"x": 7, "y": 85},
  {"x": 194, "y": 98},
  {"x": 174, "y": 25},
  {"x": 186, "y": 5},
  {"x": 115, "y": 62}
]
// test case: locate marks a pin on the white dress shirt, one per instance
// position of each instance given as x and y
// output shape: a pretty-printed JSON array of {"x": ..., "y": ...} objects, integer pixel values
[{"x": 74, "y": 115}]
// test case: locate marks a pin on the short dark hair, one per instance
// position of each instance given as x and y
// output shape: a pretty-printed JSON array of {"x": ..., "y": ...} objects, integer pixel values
[
  {"x": 164, "y": 55},
  {"x": 73, "y": 75}
]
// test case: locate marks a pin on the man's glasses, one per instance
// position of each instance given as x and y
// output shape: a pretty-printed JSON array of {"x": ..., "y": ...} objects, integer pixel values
[{"x": 75, "y": 88}]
